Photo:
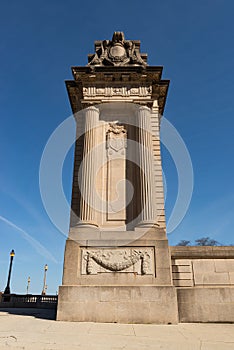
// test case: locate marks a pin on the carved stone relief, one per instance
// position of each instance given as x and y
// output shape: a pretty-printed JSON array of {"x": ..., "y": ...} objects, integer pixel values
[
  {"x": 117, "y": 52},
  {"x": 125, "y": 91},
  {"x": 135, "y": 260}
]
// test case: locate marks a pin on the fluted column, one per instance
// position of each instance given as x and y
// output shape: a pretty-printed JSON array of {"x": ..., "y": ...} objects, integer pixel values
[
  {"x": 89, "y": 168},
  {"x": 147, "y": 186}
]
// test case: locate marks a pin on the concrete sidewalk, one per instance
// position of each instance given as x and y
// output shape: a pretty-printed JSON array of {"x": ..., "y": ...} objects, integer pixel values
[{"x": 31, "y": 329}]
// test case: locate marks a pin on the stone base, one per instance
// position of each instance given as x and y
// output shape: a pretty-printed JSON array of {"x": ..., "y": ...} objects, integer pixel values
[
  {"x": 120, "y": 304},
  {"x": 206, "y": 304}
]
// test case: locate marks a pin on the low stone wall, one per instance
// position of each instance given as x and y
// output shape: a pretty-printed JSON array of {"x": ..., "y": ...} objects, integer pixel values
[{"x": 204, "y": 277}]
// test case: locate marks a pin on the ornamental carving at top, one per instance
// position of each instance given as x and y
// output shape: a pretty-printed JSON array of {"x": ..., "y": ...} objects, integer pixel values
[
  {"x": 117, "y": 52},
  {"x": 116, "y": 128}
]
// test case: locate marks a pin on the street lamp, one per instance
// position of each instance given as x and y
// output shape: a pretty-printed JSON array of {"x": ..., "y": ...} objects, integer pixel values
[
  {"x": 44, "y": 282},
  {"x": 7, "y": 289},
  {"x": 29, "y": 280}
]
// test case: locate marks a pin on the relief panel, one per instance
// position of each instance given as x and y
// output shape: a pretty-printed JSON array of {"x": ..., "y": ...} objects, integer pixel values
[{"x": 135, "y": 260}]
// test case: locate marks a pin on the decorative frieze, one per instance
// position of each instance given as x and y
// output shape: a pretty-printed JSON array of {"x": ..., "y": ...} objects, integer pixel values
[
  {"x": 124, "y": 91},
  {"x": 135, "y": 260}
]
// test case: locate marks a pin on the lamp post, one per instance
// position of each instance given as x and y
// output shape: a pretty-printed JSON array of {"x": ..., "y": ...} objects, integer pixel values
[
  {"x": 44, "y": 281},
  {"x": 7, "y": 289},
  {"x": 29, "y": 280}
]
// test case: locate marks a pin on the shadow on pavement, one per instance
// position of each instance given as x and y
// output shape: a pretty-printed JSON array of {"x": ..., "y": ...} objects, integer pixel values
[{"x": 47, "y": 314}]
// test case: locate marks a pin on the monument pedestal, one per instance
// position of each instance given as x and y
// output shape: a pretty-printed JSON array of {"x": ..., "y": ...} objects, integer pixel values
[
  {"x": 120, "y": 304},
  {"x": 127, "y": 283}
]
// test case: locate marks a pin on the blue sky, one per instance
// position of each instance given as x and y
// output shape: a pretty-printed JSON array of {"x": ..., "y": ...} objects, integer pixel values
[{"x": 40, "y": 41}]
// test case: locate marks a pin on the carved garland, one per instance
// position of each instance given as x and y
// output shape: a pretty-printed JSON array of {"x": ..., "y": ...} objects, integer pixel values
[{"x": 118, "y": 266}]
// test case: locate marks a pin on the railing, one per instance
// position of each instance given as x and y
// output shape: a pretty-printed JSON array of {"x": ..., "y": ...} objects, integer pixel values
[{"x": 29, "y": 300}]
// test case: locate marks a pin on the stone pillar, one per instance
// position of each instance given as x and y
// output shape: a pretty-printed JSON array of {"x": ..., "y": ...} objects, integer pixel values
[
  {"x": 147, "y": 185},
  {"x": 89, "y": 168}
]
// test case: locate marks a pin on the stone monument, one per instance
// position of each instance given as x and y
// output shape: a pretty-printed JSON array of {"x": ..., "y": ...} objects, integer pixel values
[{"x": 117, "y": 265}]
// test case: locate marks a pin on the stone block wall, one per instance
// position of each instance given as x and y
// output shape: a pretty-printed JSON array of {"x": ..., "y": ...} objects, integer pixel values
[
  {"x": 202, "y": 272},
  {"x": 204, "y": 279}
]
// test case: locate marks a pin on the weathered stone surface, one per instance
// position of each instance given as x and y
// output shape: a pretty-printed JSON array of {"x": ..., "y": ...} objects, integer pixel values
[
  {"x": 183, "y": 282},
  {"x": 214, "y": 304},
  {"x": 122, "y": 304},
  {"x": 199, "y": 252},
  {"x": 159, "y": 272},
  {"x": 205, "y": 270}
]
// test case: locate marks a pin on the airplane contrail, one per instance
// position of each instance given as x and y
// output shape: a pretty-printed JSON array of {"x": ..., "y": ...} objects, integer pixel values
[{"x": 37, "y": 245}]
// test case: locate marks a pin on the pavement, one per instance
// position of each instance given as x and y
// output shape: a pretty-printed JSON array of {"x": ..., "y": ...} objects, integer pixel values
[{"x": 33, "y": 329}]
